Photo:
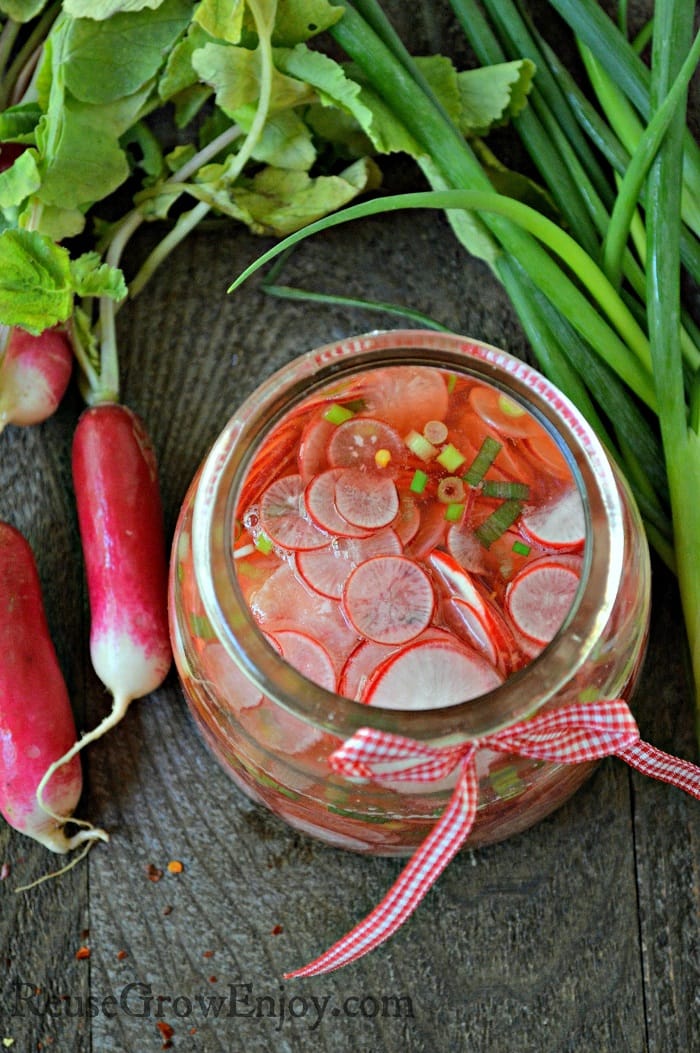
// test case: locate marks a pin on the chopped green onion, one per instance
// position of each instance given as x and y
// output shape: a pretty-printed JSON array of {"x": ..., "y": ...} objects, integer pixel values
[
  {"x": 337, "y": 414},
  {"x": 450, "y": 489},
  {"x": 521, "y": 549},
  {"x": 487, "y": 454},
  {"x": 454, "y": 511},
  {"x": 419, "y": 445},
  {"x": 505, "y": 489},
  {"x": 451, "y": 458},
  {"x": 418, "y": 481},
  {"x": 451, "y": 381},
  {"x": 495, "y": 525},
  {"x": 263, "y": 544}
]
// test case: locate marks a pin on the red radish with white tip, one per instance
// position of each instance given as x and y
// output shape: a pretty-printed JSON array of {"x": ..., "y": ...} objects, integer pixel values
[
  {"x": 36, "y": 719},
  {"x": 34, "y": 375},
  {"x": 121, "y": 530}
]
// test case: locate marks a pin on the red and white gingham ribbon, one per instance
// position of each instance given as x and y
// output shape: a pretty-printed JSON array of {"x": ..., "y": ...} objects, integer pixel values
[{"x": 570, "y": 735}]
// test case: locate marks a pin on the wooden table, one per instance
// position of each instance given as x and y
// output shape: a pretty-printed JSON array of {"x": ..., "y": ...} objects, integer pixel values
[{"x": 580, "y": 935}]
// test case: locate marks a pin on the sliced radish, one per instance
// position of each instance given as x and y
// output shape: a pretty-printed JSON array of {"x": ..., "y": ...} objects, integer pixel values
[
  {"x": 430, "y": 533},
  {"x": 313, "y": 447},
  {"x": 307, "y": 655},
  {"x": 560, "y": 523},
  {"x": 357, "y": 442},
  {"x": 368, "y": 500},
  {"x": 283, "y": 601},
  {"x": 430, "y": 674},
  {"x": 502, "y": 413},
  {"x": 319, "y": 500},
  {"x": 540, "y": 596},
  {"x": 407, "y": 521},
  {"x": 465, "y": 547},
  {"x": 230, "y": 682},
  {"x": 456, "y": 581},
  {"x": 469, "y": 625},
  {"x": 545, "y": 451},
  {"x": 282, "y": 515},
  {"x": 359, "y": 666},
  {"x": 407, "y": 396},
  {"x": 389, "y": 599},
  {"x": 326, "y": 569}
]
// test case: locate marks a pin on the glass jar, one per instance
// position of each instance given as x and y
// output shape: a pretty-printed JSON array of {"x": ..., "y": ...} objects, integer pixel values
[{"x": 273, "y": 730}]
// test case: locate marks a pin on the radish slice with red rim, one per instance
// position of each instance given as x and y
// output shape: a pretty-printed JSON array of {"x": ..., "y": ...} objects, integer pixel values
[
  {"x": 407, "y": 396},
  {"x": 313, "y": 447},
  {"x": 560, "y": 523},
  {"x": 307, "y": 655},
  {"x": 232, "y": 685},
  {"x": 368, "y": 500},
  {"x": 282, "y": 516},
  {"x": 430, "y": 674},
  {"x": 540, "y": 596},
  {"x": 356, "y": 443},
  {"x": 326, "y": 569},
  {"x": 469, "y": 626},
  {"x": 389, "y": 599},
  {"x": 319, "y": 500}
]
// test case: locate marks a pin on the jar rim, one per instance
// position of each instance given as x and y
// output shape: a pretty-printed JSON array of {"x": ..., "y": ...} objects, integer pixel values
[{"x": 523, "y": 693}]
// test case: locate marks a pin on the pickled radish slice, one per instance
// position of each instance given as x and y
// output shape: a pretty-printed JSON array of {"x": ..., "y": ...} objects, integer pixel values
[
  {"x": 407, "y": 520},
  {"x": 307, "y": 655},
  {"x": 544, "y": 451},
  {"x": 357, "y": 442},
  {"x": 313, "y": 447},
  {"x": 327, "y": 569},
  {"x": 319, "y": 500},
  {"x": 359, "y": 666},
  {"x": 502, "y": 412},
  {"x": 406, "y": 396},
  {"x": 456, "y": 580},
  {"x": 429, "y": 674},
  {"x": 227, "y": 680},
  {"x": 366, "y": 499},
  {"x": 539, "y": 598},
  {"x": 389, "y": 599},
  {"x": 558, "y": 524},
  {"x": 466, "y": 549},
  {"x": 282, "y": 515},
  {"x": 469, "y": 625}
]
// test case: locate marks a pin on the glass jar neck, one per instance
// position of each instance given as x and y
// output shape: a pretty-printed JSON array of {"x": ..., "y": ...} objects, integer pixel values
[{"x": 214, "y": 516}]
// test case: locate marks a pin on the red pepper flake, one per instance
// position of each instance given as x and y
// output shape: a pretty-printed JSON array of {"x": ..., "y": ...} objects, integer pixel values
[
  {"x": 213, "y": 979},
  {"x": 121, "y": 955},
  {"x": 207, "y": 954},
  {"x": 175, "y": 866},
  {"x": 167, "y": 910},
  {"x": 276, "y": 930},
  {"x": 82, "y": 952},
  {"x": 4, "y": 871},
  {"x": 153, "y": 873},
  {"x": 167, "y": 1032}
]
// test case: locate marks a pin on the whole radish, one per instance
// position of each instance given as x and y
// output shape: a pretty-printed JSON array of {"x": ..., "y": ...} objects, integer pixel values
[
  {"x": 36, "y": 719},
  {"x": 123, "y": 541},
  {"x": 34, "y": 375}
]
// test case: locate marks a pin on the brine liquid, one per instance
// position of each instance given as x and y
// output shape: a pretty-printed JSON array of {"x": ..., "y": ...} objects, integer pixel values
[{"x": 409, "y": 538}]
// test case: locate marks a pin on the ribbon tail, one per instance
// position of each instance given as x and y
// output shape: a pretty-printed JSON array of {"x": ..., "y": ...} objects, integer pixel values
[
  {"x": 662, "y": 766},
  {"x": 427, "y": 863}
]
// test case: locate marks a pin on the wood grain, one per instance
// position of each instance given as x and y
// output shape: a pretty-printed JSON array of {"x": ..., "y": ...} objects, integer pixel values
[{"x": 580, "y": 936}]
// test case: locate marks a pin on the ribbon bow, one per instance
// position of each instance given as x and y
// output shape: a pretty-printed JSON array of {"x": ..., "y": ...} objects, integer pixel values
[{"x": 570, "y": 735}]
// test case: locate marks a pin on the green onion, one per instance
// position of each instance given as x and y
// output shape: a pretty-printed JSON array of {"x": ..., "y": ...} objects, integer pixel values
[
  {"x": 418, "y": 482},
  {"x": 505, "y": 489},
  {"x": 521, "y": 549},
  {"x": 454, "y": 511},
  {"x": 337, "y": 414},
  {"x": 500, "y": 520},
  {"x": 451, "y": 458},
  {"x": 419, "y": 445},
  {"x": 488, "y": 451},
  {"x": 263, "y": 544}
]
